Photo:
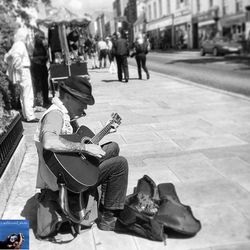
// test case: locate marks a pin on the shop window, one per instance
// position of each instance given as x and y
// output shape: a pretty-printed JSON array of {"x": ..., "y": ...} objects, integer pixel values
[
  {"x": 181, "y": 36},
  {"x": 239, "y": 6},
  {"x": 234, "y": 28}
]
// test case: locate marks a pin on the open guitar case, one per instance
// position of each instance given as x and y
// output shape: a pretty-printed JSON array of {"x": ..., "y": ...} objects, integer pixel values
[{"x": 153, "y": 212}]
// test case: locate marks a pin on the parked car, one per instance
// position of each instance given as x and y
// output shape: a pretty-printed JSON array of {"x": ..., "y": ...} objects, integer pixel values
[{"x": 220, "y": 46}]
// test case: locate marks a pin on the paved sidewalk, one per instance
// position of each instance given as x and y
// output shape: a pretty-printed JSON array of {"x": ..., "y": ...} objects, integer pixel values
[{"x": 174, "y": 131}]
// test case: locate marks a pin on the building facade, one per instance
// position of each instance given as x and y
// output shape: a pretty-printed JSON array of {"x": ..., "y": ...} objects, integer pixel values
[
  {"x": 233, "y": 18},
  {"x": 119, "y": 10},
  {"x": 205, "y": 20},
  {"x": 104, "y": 24},
  {"x": 182, "y": 20},
  {"x": 169, "y": 23},
  {"x": 131, "y": 15},
  {"x": 139, "y": 25},
  {"x": 185, "y": 23},
  {"x": 225, "y": 18}
]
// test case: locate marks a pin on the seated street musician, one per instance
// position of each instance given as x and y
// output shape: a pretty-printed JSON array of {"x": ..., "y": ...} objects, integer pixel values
[{"x": 75, "y": 93}]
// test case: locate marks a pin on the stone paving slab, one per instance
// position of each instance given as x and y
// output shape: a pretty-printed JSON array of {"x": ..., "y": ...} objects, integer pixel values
[{"x": 174, "y": 131}]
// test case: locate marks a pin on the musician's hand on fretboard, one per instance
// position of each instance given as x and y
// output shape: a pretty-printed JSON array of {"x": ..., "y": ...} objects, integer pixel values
[{"x": 113, "y": 126}]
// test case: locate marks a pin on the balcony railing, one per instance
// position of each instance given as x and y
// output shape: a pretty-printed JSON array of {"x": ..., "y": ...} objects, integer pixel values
[{"x": 9, "y": 141}]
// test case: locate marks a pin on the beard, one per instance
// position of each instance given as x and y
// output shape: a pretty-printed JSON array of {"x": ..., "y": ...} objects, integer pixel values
[{"x": 78, "y": 116}]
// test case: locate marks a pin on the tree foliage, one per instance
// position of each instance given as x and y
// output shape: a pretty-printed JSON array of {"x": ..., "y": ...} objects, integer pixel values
[
  {"x": 9, "y": 11},
  {"x": 47, "y": 2},
  {"x": 7, "y": 27}
]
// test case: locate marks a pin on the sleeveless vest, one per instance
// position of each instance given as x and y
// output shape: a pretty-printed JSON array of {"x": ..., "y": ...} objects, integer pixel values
[{"x": 45, "y": 178}]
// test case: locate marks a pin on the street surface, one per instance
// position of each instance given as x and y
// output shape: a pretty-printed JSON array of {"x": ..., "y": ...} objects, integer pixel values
[
  {"x": 229, "y": 73},
  {"x": 175, "y": 132}
]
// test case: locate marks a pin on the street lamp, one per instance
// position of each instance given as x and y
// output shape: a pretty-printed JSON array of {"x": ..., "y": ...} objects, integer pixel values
[{"x": 215, "y": 14}]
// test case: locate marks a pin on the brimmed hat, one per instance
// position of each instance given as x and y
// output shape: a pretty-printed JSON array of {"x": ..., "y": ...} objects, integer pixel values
[{"x": 80, "y": 88}]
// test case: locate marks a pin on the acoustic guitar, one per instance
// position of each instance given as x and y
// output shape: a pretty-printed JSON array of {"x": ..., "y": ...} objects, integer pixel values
[{"x": 79, "y": 170}]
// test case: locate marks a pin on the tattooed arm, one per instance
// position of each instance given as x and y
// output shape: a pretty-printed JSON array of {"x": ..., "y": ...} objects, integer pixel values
[{"x": 50, "y": 131}]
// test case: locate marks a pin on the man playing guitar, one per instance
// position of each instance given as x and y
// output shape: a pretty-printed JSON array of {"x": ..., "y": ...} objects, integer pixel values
[{"x": 75, "y": 93}]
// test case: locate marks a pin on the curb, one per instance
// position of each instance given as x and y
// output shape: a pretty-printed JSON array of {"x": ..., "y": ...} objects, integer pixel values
[
  {"x": 10, "y": 174},
  {"x": 199, "y": 85},
  {"x": 242, "y": 57}
]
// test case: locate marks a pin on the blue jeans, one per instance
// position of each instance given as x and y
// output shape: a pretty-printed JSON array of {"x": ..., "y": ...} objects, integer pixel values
[
  {"x": 113, "y": 177},
  {"x": 141, "y": 63}
]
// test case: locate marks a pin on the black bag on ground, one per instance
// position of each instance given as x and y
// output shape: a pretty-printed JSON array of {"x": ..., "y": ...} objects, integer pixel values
[
  {"x": 51, "y": 219},
  {"x": 151, "y": 211}
]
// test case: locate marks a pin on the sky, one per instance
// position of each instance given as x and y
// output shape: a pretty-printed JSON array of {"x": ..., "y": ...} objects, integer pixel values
[{"x": 85, "y": 6}]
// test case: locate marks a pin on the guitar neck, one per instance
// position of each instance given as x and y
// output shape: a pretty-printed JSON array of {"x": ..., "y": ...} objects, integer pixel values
[{"x": 96, "y": 139}]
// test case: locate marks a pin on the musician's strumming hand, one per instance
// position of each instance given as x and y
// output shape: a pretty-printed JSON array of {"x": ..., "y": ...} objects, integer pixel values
[
  {"x": 57, "y": 143},
  {"x": 94, "y": 150}
]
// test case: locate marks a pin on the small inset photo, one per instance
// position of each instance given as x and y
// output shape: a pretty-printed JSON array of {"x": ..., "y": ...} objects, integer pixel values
[{"x": 14, "y": 234}]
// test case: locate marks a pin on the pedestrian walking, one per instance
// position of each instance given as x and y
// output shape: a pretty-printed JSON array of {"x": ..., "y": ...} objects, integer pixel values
[
  {"x": 91, "y": 50},
  {"x": 110, "y": 55},
  {"x": 18, "y": 70},
  {"x": 94, "y": 54},
  {"x": 121, "y": 50},
  {"x": 88, "y": 46},
  {"x": 140, "y": 51},
  {"x": 102, "y": 51}
]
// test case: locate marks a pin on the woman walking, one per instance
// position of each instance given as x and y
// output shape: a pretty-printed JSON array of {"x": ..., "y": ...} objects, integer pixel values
[{"x": 140, "y": 52}]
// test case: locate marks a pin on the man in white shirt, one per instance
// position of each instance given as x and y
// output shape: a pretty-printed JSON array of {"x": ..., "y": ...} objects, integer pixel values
[
  {"x": 102, "y": 51},
  {"x": 18, "y": 71}
]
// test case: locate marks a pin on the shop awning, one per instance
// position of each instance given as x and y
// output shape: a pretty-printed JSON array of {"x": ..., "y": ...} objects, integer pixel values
[
  {"x": 232, "y": 20},
  {"x": 64, "y": 16},
  {"x": 160, "y": 23},
  {"x": 205, "y": 23}
]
